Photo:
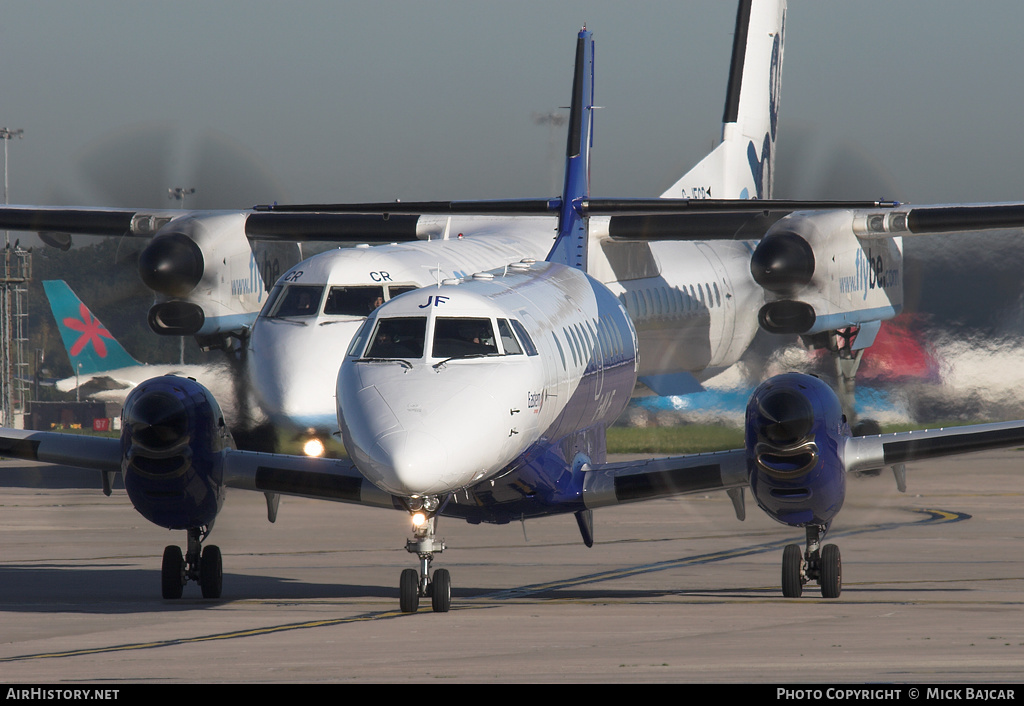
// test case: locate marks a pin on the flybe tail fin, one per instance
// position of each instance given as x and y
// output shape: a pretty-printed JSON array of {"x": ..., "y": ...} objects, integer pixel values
[
  {"x": 570, "y": 247},
  {"x": 91, "y": 348},
  {"x": 741, "y": 166}
]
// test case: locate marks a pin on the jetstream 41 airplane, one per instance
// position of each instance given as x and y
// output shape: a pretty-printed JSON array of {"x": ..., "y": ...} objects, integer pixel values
[{"x": 487, "y": 399}]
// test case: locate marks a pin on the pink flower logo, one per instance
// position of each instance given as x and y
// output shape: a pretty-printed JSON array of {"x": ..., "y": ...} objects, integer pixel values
[{"x": 92, "y": 332}]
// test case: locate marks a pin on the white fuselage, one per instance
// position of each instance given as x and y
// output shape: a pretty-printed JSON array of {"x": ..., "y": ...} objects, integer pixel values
[
  {"x": 294, "y": 352},
  {"x": 694, "y": 305},
  {"x": 447, "y": 386}
]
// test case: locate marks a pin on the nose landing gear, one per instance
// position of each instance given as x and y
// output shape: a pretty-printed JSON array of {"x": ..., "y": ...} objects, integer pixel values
[
  {"x": 414, "y": 585},
  {"x": 204, "y": 566},
  {"x": 821, "y": 564}
]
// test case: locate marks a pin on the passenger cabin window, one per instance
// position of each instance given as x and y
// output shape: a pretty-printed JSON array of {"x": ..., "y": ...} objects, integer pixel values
[
  {"x": 399, "y": 337},
  {"x": 353, "y": 301},
  {"x": 458, "y": 338},
  {"x": 561, "y": 353},
  {"x": 298, "y": 300}
]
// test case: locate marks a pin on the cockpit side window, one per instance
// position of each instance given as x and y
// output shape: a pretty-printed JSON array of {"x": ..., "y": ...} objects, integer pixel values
[
  {"x": 271, "y": 302},
  {"x": 359, "y": 340},
  {"x": 456, "y": 338},
  {"x": 508, "y": 341},
  {"x": 524, "y": 337},
  {"x": 298, "y": 300},
  {"x": 353, "y": 301},
  {"x": 395, "y": 290},
  {"x": 399, "y": 337}
]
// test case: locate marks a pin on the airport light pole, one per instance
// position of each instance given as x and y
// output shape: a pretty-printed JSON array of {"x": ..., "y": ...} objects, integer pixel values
[
  {"x": 178, "y": 193},
  {"x": 7, "y": 382},
  {"x": 7, "y": 134}
]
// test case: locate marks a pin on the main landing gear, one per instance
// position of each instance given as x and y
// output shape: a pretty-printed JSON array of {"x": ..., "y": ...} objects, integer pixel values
[
  {"x": 414, "y": 585},
  {"x": 204, "y": 566},
  {"x": 817, "y": 563},
  {"x": 842, "y": 347}
]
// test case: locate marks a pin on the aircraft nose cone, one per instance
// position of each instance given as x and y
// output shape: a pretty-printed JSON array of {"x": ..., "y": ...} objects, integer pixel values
[
  {"x": 405, "y": 463},
  {"x": 171, "y": 265},
  {"x": 415, "y": 435},
  {"x": 290, "y": 364}
]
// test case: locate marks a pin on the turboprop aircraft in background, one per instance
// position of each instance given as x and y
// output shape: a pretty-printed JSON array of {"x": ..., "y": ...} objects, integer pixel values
[
  {"x": 692, "y": 282},
  {"x": 690, "y": 301},
  {"x": 487, "y": 399}
]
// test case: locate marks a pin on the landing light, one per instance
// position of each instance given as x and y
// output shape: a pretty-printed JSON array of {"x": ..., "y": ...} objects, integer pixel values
[
  {"x": 314, "y": 447},
  {"x": 419, "y": 519}
]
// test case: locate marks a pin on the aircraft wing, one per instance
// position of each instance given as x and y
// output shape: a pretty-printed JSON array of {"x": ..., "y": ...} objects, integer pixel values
[
  {"x": 930, "y": 220},
  {"x": 88, "y": 452},
  {"x": 61, "y": 219},
  {"x": 630, "y": 219},
  {"x": 646, "y": 479},
  {"x": 56, "y": 224},
  {"x": 866, "y": 453},
  {"x": 90, "y": 383},
  {"x": 662, "y": 219},
  {"x": 321, "y": 478}
]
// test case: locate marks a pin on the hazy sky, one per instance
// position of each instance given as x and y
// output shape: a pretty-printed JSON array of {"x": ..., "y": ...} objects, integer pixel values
[{"x": 321, "y": 101}]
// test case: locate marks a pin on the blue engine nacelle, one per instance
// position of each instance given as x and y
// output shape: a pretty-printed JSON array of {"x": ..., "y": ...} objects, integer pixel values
[
  {"x": 795, "y": 429},
  {"x": 172, "y": 438}
]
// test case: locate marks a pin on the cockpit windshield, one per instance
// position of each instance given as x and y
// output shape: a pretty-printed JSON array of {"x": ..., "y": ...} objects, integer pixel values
[
  {"x": 456, "y": 338},
  {"x": 353, "y": 301},
  {"x": 296, "y": 300},
  {"x": 398, "y": 337}
]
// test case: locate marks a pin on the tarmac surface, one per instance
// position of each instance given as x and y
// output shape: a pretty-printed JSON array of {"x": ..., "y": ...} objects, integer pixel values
[{"x": 674, "y": 590}]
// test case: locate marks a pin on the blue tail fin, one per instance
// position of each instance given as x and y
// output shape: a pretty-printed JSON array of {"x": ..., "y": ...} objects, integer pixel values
[
  {"x": 91, "y": 348},
  {"x": 570, "y": 246}
]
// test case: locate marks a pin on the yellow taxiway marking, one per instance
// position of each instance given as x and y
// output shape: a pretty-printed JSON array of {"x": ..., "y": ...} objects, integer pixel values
[{"x": 933, "y": 516}]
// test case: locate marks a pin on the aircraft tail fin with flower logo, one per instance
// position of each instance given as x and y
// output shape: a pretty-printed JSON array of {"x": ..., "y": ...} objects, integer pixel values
[{"x": 91, "y": 347}]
